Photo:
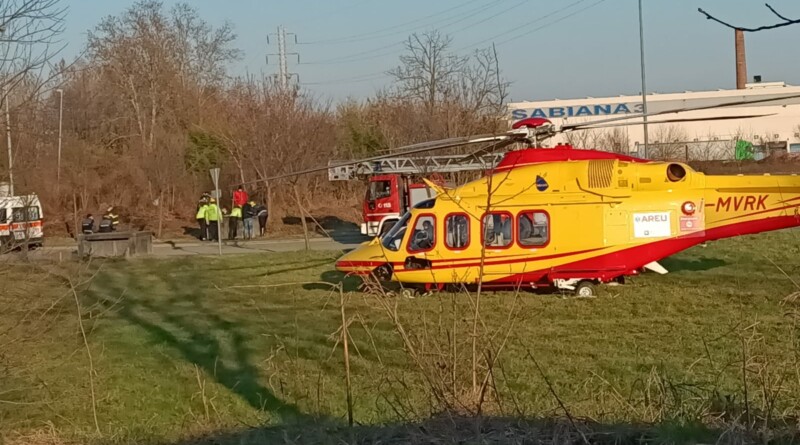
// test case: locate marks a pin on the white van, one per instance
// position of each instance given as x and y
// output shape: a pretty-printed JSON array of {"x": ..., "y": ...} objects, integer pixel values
[{"x": 21, "y": 221}]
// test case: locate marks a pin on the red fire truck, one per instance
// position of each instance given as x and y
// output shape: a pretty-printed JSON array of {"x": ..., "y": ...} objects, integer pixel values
[{"x": 394, "y": 184}]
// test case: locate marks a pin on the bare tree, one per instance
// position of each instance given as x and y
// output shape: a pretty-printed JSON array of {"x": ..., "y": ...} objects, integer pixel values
[
  {"x": 615, "y": 140},
  {"x": 163, "y": 65},
  {"x": 669, "y": 143},
  {"x": 29, "y": 29},
  {"x": 428, "y": 72},
  {"x": 458, "y": 93}
]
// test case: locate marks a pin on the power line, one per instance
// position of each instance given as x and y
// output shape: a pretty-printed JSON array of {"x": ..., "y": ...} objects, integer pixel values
[
  {"x": 346, "y": 80},
  {"x": 333, "y": 12},
  {"x": 355, "y": 57},
  {"x": 374, "y": 34},
  {"x": 551, "y": 23},
  {"x": 515, "y": 28},
  {"x": 375, "y": 76}
]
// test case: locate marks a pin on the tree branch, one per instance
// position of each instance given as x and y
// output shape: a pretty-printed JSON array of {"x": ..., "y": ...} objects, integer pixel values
[
  {"x": 786, "y": 22},
  {"x": 776, "y": 13}
]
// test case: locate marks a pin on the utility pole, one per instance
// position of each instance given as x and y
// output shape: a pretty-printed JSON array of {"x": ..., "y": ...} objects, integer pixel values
[
  {"x": 8, "y": 142},
  {"x": 644, "y": 84},
  {"x": 284, "y": 76},
  {"x": 60, "y": 120}
]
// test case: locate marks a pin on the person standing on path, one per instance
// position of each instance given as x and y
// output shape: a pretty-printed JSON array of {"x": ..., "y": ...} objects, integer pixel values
[
  {"x": 233, "y": 222},
  {"x": 248, "y": 215},
  {"x": 202, "y": 209},
  {"x": 240, "y": 197},
  {"x": 262, "y": 214},
  {"x": 212, "y": 216}
]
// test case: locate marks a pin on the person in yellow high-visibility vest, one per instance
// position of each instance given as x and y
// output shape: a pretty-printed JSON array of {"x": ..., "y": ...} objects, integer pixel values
[
  {"x": 202, "y": 208},
  {"x": 212, "y": 216},
  {"x": 233, "y": 221}
]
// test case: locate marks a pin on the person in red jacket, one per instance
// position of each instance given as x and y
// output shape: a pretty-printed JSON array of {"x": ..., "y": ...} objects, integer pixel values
[{"x": 240, "y": 197}]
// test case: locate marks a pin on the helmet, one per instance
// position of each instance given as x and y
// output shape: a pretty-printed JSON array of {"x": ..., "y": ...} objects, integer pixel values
[
  {"x": 212, "y": 200},
  {"x": 111, "y": 209}
]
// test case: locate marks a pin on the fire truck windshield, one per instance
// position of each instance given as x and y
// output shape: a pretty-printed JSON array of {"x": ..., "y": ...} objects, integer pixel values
[
  {"x": 380, "y": 189},
  {"x": 394, "y": 238}
]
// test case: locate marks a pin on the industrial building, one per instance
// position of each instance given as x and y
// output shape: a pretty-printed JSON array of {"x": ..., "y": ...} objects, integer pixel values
[{"x": 761, "y": 127}]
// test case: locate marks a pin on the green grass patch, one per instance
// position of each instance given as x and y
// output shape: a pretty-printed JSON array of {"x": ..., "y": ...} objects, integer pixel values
[{"x": 191, "y": 346}]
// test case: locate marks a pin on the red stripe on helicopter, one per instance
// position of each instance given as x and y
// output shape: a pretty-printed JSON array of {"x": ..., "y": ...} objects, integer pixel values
[
  {"x": 487, "y": 262},
  {"x": 359, "y": 263},
  {"x": 625, "y": 262}
]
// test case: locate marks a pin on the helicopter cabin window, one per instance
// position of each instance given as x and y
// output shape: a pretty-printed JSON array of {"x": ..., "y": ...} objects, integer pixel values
[
  {"x": 497, "y": 229},
  {"x": 533, "y": 228},
  {"x": 380, "y": 189},
  {"x": 456, "y": 227},
  {"x": 423, "y": 236}
]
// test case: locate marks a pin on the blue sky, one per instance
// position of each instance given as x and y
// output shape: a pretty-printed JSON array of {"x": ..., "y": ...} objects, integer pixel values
[{"x": 548, "y": 49}]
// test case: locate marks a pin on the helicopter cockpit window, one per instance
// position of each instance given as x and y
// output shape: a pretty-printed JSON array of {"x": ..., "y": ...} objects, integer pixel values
[
  {"x": 456, "y": 227},
  {"x": 533, "y": 228},
  {"x": 497, "y": 229},
  {"x": 394, "y": 237},
  {"x": 380, "y": 189},
  {"x": 423, "y": 237}
]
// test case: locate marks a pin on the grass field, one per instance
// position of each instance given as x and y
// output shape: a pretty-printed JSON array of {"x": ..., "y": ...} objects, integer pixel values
[{"x": 202, "y": 350}]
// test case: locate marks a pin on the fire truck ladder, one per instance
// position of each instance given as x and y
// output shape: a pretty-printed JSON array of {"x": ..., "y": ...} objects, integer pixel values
[{"x": 419, "y": 165}]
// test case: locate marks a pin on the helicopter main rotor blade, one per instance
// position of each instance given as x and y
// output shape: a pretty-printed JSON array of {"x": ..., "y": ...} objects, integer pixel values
[
  {"x": 488, "y": 149},
  {"x": 580, "y": 126},
  {"x": 406, "y": 150},
  {"x": 672, "y": 121}
]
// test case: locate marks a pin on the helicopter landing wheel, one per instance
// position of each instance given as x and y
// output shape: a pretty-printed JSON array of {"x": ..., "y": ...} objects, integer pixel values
[
  {"x": 383, "y": 273},
  {"x": 586, "y": 289}
]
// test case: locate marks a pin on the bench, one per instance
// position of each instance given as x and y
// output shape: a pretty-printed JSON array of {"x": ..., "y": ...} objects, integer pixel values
[{"x": 115, "y": 244}]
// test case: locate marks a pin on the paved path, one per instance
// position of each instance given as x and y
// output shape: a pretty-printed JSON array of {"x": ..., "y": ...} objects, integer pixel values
[
  {"x": 187, "y": 247},
  {"x": 228, "y": 247}
]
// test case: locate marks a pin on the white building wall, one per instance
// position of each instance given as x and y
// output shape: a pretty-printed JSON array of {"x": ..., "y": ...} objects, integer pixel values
[{"x": 781, "y": 120}]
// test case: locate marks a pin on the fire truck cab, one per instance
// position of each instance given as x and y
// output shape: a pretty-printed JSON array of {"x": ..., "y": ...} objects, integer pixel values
[
  {"x": 392, "y": 188},
  {"x": 21, "y": 222},
  {"x": 388, "y": 198}
]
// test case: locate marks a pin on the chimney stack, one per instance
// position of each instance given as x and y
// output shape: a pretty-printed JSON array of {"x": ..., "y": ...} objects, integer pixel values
[{"x": 741, "y": 64}]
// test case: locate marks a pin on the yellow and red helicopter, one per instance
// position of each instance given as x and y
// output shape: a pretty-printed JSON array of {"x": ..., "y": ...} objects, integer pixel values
[{"x": 568, "y": 218}]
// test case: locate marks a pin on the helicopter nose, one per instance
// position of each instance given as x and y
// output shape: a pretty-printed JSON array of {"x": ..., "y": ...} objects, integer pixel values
[{"x": 363, "y": 260}]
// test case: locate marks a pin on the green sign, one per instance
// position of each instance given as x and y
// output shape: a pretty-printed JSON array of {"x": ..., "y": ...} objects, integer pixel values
[{"x": 744, "y": 150}]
